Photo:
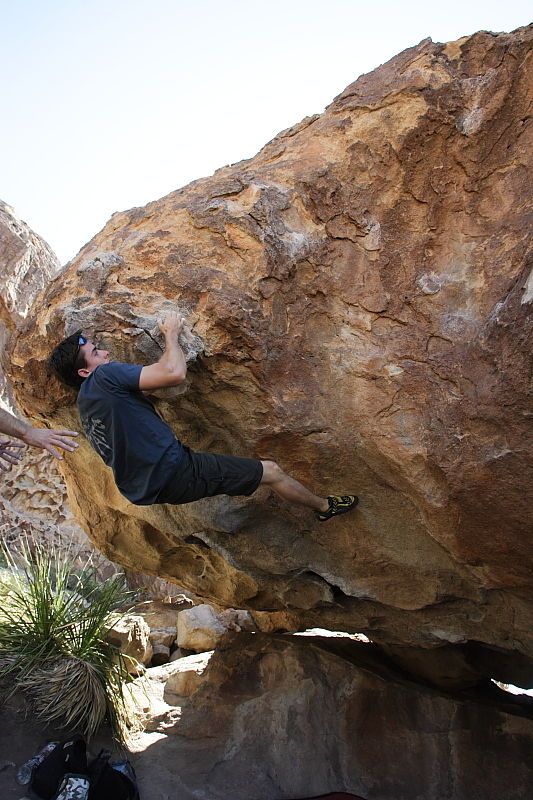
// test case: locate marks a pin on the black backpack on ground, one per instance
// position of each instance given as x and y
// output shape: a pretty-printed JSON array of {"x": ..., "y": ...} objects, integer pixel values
[
  {"x": 111, "y": 781},
  {"x": 60, "y": 775},
  {"x": 67, "y": 757}
]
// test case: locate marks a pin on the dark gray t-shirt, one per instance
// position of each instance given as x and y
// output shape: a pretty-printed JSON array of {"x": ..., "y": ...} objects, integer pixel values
[{"x": 124, "y": 428}]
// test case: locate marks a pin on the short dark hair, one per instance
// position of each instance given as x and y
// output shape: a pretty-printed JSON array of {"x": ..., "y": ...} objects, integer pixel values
[{"x": 67, "y": 359}]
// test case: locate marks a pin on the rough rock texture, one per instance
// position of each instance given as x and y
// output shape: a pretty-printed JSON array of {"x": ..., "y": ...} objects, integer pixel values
[
  {"x": 358, "y": 297},
  {"x": 131, "y": 635},
  {"x": 161, "y": 654},
  {"x": 183, "y": 679},
  {"x": 33, "y": 502},
  {"x": 34, "y": 506},
  {"x": 199, "y": 628},
  {"x": 273, "y": 718},
  {"x": 163, "y": 636},
  {"x": 27, "y": 265},
  {"x": 280, "y": 718},
  {"x": 159, "y": 614},
  {"x": 33, "y": 497}
]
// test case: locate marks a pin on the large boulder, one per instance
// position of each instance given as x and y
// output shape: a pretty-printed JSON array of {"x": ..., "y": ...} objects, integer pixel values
[
  {"x": 358, "y": 298},
  {"x": 274, "y": 718}
]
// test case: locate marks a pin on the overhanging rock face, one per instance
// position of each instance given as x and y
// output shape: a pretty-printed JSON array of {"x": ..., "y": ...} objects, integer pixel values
[{"x": 359, "y": 298}]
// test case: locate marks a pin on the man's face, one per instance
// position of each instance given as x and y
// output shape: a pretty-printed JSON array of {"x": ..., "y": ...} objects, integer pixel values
[{"x": 93, "y": 358}]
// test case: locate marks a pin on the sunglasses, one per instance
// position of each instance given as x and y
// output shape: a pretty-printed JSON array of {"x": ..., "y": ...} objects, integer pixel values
[{"x": 81, "y": 340}]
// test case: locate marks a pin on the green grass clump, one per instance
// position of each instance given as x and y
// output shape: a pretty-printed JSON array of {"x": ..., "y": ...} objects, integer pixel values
[{"x": 53, "y": 646}]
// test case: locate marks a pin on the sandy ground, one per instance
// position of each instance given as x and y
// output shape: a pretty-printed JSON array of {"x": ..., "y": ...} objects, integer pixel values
[{"x": 21, "y": 738}]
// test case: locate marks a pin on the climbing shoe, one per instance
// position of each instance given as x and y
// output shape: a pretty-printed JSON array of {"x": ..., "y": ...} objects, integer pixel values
[{"x": 338, "y": 504}]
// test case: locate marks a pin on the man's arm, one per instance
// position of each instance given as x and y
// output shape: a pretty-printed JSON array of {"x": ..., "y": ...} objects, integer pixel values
[
  {"x": 171, "y": 368},
  {"x": 34, "y": 437}
]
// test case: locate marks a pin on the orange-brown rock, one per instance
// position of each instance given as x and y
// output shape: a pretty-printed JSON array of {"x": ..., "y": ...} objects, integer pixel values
[{"x": 358, "y": 297}]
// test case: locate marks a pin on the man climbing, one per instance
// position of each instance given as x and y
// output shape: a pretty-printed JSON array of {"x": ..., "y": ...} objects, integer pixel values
[
  {"x": 10, "y": 451},
  {"x": 149, "y": 464}
]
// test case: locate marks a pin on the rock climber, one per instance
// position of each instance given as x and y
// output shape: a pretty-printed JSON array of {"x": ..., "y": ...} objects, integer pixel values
[{"x": 149, "y": 463}]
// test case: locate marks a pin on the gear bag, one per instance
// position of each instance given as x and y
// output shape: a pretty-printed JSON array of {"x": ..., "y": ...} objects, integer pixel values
[
  {"x": 112, "y": 781},
  {"x": 64, "y": 774},
  {"x": 69, "y": 757}
]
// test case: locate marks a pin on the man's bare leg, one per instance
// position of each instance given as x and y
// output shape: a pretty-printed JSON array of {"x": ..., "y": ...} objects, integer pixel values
[{"x": 289, "y": 488}]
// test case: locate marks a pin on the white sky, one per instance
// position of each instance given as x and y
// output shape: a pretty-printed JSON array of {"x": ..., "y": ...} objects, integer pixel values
[{"x": 108, "y": 104}]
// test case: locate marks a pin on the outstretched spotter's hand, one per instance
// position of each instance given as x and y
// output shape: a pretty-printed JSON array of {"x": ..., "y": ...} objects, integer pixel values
[
  {"x": 50, "y": 440},
  {"x": 9, "y": 454},
  {"x": 172, "y": 324}
]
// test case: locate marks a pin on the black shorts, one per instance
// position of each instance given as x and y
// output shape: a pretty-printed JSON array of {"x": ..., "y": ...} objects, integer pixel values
[{"x": 206, "y": 474}]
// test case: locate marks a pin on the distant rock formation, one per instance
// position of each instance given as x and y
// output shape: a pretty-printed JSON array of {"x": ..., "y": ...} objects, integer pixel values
[
  {"x": 359, "y": 295},
  {"x": 27, "y": 264}
]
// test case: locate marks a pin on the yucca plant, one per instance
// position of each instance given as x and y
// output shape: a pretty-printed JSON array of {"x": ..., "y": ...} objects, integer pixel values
[{"x": 53, "y": 646}]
